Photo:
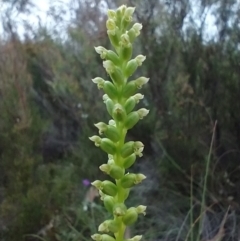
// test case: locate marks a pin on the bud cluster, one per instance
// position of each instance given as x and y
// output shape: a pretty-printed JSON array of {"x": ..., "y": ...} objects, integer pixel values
[{"x": 120, "y": 99}]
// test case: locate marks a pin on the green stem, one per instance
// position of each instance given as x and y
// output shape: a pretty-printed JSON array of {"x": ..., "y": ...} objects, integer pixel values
[
  {"x": 205, "y": 183},
  {"x": 191, "y": 205},
  {"x": 120, "y": 234},
  {"x": 121, "y": 191}
]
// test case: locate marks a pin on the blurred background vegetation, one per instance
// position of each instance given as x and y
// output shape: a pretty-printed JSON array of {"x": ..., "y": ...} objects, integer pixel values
[{"x": 48, "y": 105}]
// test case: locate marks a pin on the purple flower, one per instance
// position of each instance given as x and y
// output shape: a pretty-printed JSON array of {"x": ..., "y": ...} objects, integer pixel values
[{"x": 86, "y": 182}]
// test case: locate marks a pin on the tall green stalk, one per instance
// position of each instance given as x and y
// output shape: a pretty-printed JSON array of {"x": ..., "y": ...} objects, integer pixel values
[
  {"x": 203, "y": 203},
  {"x": 120, "y": 98}
]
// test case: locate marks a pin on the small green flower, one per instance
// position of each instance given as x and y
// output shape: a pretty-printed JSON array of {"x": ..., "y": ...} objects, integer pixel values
[
  {"x": 133, "y": 64},
  {"x": 128, "y": 12},
  {"x": 111, "y": 14},
  {"x": 131, "y": 179},
  {"x": 96, "y": 139},
  {"x": 137, "y": 27},
  {"x": 102, "y": 237},
  {"x": 135, "y": 238},
  {"x": 134, "y": 31},
  {"x": 125, "y": 41},
  {"x": 109, "y": 66},
  {"x": 108, "y": 203},
  {"x": 112, "y": 170},
  {"x": 111, "y": 25},
  {"x": 132, "y": 101},
  {"x": 110, "y": 131},
  {"x": 139, "y": 59},
  {"x": 102, "y": 51},
  {"x": 120, "y": 97},
  {"x": 129, "y": 161},
  {"x": 108, "y": 226}
]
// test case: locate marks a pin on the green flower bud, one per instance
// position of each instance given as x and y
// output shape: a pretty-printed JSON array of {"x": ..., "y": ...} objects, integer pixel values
[
  {"x": 128, "y": 180},
  {"x": 135, "y": 238},
  {"x": 108, "y": 146},
  {"x": 113, "y": 226},
  {"x": 129, "y": 161},
  {"x": 96, "y": 139},
  {"x": 110, "y": 105},
  {"x": 102, "y": 237},
  {"x": 132, "y": 147},
  {"x": 126, "y": 53},
  {"x": 110, "y": 131},
  {"x": 106, "y": 237},
  {"x": 134, "y": 31},
  {"x": 130, "y": 217},
  {"x": 113, "y": 57},
  {"x": 108, "y": 202},
  {"x": 132, "y": 101},
  {"x": 121, "y": 10},
  {"x": 126, "y": 193},
  {"x": 117, "y": 77},
  {"x": 108, "y": 226},
  {"x": 127, "y": 149},
  {"x": 106, "y": 187},
  {"x": 118, "y": 113},
  {"x": 108, "y": 54},
  {"x": 126, "y": 50},
  {"x": 119, "y": 209},
  {"x": 129, "y": 89},
  {"x": 112, "y": 34},
  {"x": 110, "y": 89},
  {"x": 116, "y": 172},
  {"x": 109, "y": 188},
  {"x": 99, "y": 81},
  {"x": 133, "y": 118},
  {"x": 120, "y": 13},
  {"x": 113, "y": 170},
  {"x": 131, "y": 179},
  {"x": 133, "y": 64},
  {"x": 127, "y": 18},
  {"x": 128, "y": 13},
  {"x": 131, "y": 67},
  {"x": 114, "y": 72}
]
